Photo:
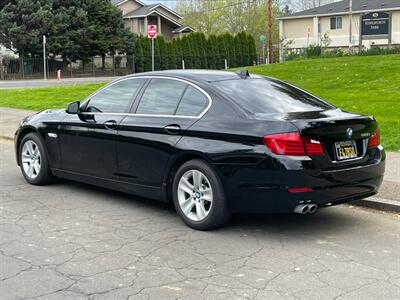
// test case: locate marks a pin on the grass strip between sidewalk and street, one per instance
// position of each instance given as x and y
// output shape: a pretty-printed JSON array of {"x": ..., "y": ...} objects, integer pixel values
[{"x": 39, "y": 98}]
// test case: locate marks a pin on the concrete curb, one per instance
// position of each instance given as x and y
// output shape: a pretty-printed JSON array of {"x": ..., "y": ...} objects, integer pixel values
[{"x": 379, "y": 204}]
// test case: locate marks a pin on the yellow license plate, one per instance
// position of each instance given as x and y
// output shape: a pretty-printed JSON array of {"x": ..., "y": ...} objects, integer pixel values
[{"x": 346, "y": 150}]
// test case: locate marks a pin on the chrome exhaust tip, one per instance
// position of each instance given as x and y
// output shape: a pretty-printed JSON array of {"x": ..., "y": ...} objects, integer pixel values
[
  {"x": 312, "y": 209},
  {"x": 302, "y": 209}
]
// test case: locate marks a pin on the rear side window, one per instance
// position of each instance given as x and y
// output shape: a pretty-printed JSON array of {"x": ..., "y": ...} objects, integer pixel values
[
  {"x": 193, "y": 103},
  {"x": 269, "y": 96},
  {"x": 116, "y": 98},
  {"x": 161, "y": 97}
]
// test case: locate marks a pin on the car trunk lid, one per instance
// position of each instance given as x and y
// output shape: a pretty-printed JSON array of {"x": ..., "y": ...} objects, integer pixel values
[{"x": 344, "y": 136}]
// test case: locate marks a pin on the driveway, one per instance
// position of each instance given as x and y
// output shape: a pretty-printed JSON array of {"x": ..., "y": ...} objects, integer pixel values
[{"x": 73, "y": 241}]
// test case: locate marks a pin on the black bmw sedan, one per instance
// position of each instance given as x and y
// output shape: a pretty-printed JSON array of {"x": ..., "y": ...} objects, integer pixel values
[{"x": 213, "y": 142}]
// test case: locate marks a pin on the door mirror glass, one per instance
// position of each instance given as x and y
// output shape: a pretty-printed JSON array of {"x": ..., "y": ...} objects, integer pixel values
[{"x": 73, "y": 108}]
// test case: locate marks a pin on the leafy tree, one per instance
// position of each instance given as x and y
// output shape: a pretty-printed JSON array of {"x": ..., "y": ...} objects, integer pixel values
[
  {"x": 74, "y": 28},
  {"x": 22, "y": 25},
  {"x": 105, "y": 31},
  {"x": 233, "y": 16}
]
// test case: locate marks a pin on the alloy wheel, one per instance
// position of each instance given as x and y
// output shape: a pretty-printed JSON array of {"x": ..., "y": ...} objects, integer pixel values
[
  {"x": 195, "y": 195},
  {"x": 31, "y": 159}
]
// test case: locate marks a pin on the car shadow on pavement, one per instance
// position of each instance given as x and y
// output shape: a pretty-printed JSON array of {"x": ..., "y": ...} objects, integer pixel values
[{"x": 326, "y": 221}]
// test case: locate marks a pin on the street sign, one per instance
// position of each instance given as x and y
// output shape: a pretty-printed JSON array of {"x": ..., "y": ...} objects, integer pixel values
[
  {"x": 152, "y": 31},
  {"x": 263, "y": 38},
  {"x": 152, "y": 34},
  {"x": 375, "y": 25}
]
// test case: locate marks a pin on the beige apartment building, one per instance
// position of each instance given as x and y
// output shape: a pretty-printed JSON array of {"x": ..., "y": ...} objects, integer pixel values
[
  {"x": 304, "y": 28},
  {"x": 137, "y": 16}
]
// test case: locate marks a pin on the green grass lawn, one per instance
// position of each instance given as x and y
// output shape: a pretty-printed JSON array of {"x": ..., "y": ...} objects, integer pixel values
[
  {"x": 368, "y": 85},
  {"x": 40, "y": 98}
]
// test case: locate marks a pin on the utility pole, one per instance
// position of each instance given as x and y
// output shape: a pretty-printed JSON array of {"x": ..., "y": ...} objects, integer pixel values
[
  {"x": 270, "y": 32},
  {"x": 350, "y": 24}
]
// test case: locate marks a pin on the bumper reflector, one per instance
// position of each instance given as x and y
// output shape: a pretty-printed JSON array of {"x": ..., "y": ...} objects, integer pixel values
[{"x": 299, "y": 189}]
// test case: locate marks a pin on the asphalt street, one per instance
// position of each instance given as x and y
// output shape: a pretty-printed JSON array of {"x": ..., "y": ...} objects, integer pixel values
[
  {"x": 6, "y": 84},
  {"x": 73, "y": 241}
]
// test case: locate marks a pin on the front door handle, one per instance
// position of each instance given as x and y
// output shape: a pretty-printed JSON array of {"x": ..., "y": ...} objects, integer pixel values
[
  {"x": 110, "y": 124},
  {"x": 172, "y": 128}
]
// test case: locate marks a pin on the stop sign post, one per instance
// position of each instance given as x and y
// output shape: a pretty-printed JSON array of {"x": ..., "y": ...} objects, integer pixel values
[{"x": 152, "y": 34}]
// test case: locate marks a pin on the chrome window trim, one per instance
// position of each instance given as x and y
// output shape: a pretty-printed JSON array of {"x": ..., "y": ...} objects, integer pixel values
[{"x": 152, "y": 115}]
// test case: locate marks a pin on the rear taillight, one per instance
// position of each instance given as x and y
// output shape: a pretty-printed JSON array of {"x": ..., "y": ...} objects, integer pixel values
[
  {"x": 291, "y": 143},
  {"x": 374, "y": 139},
  {"x": 313, "y": 147}
]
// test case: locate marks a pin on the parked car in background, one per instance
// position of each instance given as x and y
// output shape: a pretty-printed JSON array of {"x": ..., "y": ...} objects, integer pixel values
[{"x": 213, "y": 142}]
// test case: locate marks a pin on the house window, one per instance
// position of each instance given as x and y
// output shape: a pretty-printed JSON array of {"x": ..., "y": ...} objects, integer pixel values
[{"x": 336, "y": 23}]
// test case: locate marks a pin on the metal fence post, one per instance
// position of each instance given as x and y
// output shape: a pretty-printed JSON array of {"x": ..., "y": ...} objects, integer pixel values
[
  {"x": 183, "y": 64},
  {"x": 113, "y": 63},
  {"x": 1, "y": 67}
]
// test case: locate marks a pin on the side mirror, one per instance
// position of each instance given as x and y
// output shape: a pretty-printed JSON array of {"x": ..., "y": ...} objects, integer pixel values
[{"x": 73, "y": 108}]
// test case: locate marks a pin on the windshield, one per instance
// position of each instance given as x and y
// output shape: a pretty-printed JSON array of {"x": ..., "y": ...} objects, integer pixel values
[{"x": 269, "y": 96}]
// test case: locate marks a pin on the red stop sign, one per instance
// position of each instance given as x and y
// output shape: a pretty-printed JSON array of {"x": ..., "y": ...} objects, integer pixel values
[{"x": 152, "y": 31}]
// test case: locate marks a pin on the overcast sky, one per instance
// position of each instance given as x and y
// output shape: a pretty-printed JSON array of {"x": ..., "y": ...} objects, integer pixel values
[{"x": 169, "y": 3}]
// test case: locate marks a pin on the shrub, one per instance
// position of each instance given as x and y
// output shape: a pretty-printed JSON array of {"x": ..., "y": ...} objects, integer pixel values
[{"x": 313, "y": 51}]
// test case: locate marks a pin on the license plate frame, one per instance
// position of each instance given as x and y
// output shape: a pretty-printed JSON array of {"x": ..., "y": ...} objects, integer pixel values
[{"x": 346, "y": 150}]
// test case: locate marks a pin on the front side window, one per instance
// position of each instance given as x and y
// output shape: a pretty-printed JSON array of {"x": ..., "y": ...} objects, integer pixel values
[
  {"x": 193, "y": 103},
  {"x": 116, "y": 98},
  {"x": 161, "y": 97},
  {"x": 336, "y": 23}
]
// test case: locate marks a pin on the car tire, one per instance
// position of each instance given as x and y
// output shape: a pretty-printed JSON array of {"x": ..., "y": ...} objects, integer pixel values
[
  {"x": 199, "y": 197},
  {"x": 34, "y": 161}
]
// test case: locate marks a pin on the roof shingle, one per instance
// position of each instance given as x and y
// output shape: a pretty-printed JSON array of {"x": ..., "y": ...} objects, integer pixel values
[{"x": 343, "y": 7}]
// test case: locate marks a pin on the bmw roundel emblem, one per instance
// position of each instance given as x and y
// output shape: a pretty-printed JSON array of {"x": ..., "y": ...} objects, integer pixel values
[{"x": 349, "y": 132}]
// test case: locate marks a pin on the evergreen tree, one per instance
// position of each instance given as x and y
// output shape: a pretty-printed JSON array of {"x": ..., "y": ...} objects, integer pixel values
[
  {"x": 223, "y": 51},
  {"x": 252, "y": 49},
  {"x": 139, "y": 56},
  {"x": 202, "y": 40},
  {"x": 163, "y": 52},
  {"x": 212, "y": 52},
  {"x": 146, "y": 44}
]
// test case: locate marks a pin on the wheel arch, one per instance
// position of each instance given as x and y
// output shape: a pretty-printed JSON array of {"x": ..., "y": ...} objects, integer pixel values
[
  {"x": 175, "y": 165},
  {"x": 25, "y": 131}
]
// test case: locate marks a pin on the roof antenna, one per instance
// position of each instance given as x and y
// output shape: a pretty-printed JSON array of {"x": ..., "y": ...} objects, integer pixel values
[{"x": 243, "y": 74}]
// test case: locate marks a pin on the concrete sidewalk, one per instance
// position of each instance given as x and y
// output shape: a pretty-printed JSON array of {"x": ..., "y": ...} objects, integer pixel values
[
  {"x": 6, "y": 84},
  {"x": 387, "y": 198}
]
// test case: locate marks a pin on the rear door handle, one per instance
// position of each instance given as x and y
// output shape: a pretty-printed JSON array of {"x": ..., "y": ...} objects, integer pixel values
[
  {"x": 110, "y": 124},
  {"x": 172, "y": 129}
]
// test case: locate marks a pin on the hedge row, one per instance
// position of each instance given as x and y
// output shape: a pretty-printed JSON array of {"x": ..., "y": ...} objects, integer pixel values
[{"x": 198, "y": 52}]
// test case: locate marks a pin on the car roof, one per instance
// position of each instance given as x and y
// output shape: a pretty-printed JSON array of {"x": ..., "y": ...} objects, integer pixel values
[{"x": 206, "y": 76}]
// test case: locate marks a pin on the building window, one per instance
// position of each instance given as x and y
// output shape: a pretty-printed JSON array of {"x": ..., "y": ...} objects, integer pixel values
[{"x": 336, "y": 23}]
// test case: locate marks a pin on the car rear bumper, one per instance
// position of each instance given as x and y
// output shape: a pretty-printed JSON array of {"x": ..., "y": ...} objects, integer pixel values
[{"x": 257, "y": 190}]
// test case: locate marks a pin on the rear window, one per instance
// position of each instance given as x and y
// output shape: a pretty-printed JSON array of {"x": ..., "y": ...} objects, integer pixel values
[{"x": 269, "y": 96}]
